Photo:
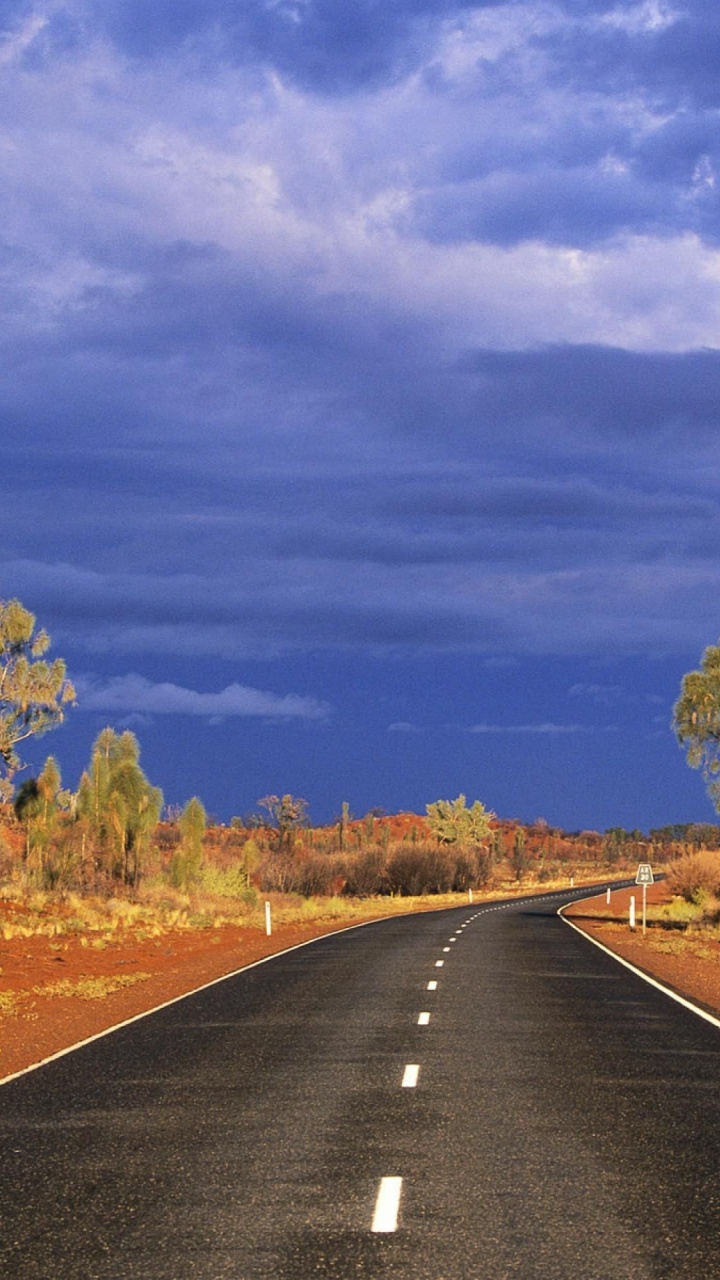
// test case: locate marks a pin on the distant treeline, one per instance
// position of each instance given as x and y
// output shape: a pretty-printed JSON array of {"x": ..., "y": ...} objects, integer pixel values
[{"x": 113, "y": 835}]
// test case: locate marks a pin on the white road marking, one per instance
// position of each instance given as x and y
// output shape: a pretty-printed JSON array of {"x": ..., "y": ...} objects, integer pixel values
[
  {"x": 452, "y": 939},
  {"x": 387, "y": 1204},
  {"x": 423, "y": 1019},
  {"x": 205, "y": 986},
  {"x": 687, "y": 1004},
  {"x": 410, "y": 1075},
  {"x": 432, "y": 986},
  {"x": 439, "y": 964},
  {"x": 446, "y": 948}
]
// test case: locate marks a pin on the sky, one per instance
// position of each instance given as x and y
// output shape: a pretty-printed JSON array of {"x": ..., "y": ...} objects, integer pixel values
[{"x": 359, "y": 390}]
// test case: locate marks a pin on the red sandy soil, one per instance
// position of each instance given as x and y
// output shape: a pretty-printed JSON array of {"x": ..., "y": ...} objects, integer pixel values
[
  {"x": 39, "y": 1025},
  {"x": 180, "y": 961},
  {"x": 691, "y": 966}
]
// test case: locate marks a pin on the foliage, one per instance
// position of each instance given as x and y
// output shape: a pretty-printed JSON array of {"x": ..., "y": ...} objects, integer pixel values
[
  {"x": 696, "y": 719},
  {"x": 451, "y": 822},
  {"x": 695, "y": 875},
  {"x": 186, "y": 863},
  {"x": 33, "y": 692},
  {"x": 119, "y": 807},
  {"x": 287, "y": 814}
]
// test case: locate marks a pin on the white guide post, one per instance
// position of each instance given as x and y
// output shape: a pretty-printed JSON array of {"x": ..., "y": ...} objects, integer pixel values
[
  {"x": 632, "y": 912},
  {"x": 607, "y": 897},
  {"x": 268, "y": 921}
]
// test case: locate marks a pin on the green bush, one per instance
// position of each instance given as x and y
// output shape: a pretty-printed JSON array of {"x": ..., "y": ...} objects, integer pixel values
[{"x": 228, "y": 882}]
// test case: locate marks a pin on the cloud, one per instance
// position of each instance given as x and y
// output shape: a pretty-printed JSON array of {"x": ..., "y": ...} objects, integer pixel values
[{"x": 134, "y": 694}]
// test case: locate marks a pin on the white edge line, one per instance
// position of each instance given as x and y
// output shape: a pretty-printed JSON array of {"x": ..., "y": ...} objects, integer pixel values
[
  {"x": 653, "y": 982},
  {"x": 127, "y": 1022},
  {"x": 387, "y": 1205},
  {"x": 225, "y": 977}
]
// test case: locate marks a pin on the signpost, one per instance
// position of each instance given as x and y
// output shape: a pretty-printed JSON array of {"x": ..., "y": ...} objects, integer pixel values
[{"x": 644, "y": 877}]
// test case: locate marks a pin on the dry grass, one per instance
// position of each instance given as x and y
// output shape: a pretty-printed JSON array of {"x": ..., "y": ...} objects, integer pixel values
[
  {"x": 8, "y": 1003},
  {"x": 89, "y": 987},
  {"x": 159, "y": 910}
]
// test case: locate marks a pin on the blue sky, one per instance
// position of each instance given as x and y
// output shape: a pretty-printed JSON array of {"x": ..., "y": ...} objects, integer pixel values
[{"x": 359, "y": 387}]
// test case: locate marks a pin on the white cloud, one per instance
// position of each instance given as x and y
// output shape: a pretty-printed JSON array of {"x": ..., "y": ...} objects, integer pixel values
[{"x": 134, "y": 694}]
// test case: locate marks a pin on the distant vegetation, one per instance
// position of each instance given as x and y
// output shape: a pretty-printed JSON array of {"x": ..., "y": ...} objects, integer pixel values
[
  {"x": 109, "y": 839},
  {"x": 113, "y": 837}
]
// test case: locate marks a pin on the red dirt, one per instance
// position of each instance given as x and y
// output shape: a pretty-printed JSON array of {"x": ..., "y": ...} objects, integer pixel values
[
  {"x": 692, "y": 975},
  {"x": 40, "y": 1025},
  {"x": 179, "y": 962}
]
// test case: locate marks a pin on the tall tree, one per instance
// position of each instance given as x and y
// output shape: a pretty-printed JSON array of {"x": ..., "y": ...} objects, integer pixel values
[
  {"x": 33, "y": 691},
  {"x": 118, "y": 804},
  {"x": 696, "y": 720},
  {"x": 188, "y": 859}
]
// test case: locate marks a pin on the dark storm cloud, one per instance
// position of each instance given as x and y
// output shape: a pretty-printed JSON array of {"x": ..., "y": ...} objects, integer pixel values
[
  {"x": 287, "y": 372},
  {"x": 615, "y": 393},
  {"x": 559, "y": 206},
  {"x": 323, "y": 45},
  {"x": 674, "y": 58}
]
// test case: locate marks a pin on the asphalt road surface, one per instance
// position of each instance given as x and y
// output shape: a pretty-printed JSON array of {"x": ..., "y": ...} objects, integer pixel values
[{"x": 551, "y": 1116}]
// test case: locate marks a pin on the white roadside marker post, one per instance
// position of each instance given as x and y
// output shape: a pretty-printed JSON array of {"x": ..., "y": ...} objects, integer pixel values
[
  {"x": 632, "y": 914},
  {"x": 268, "y": 921},
  {"x": 607, "y": 896},
  {"x": 470, "y": 897}
]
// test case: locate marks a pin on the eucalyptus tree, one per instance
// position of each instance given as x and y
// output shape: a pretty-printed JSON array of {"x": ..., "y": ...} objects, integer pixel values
[
  {"x": 696, "y": 720},
  {"x": 287, "y": 814},
  {"x": 452, "y": 822},
  {"x": 34, "y": 692}
]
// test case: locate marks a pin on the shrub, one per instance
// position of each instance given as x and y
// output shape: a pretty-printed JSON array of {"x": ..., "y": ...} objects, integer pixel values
[
  {"x": 695, "y": 875},
  {"x": 365, "y": 874},
  {"x": 419, "y": 869}
]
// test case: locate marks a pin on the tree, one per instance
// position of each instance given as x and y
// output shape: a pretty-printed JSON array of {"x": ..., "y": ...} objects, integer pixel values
[
  {"x": 696, "y": 720},
  {"x": 33, "y": 692},
  {"x": 188, "y": 859},
  {"x": 451, "y": 822},
  {"x": 36, "y": 805},
  {"x": 287, "y": 814},
  {"x": 118, "y": 804},
  {"x": 519, "y": 860}
]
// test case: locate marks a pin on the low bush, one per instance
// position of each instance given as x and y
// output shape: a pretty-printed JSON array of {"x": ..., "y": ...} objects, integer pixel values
[{"x": 695, "y": 875}]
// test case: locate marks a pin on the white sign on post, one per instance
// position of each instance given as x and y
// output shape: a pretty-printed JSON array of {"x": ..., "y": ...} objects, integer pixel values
[{"x": 644, "y": 877}]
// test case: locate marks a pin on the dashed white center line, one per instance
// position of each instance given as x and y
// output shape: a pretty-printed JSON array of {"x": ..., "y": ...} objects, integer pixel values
[
  {"x": 446, "y": 948},
  {"x": 432, "y": 986},
  {"x": 439, "y": 964},
  {"x": 423, "y": 1019},
  {"x": 387, "y": 1204},
  {"x": 410, "y": 1075}
]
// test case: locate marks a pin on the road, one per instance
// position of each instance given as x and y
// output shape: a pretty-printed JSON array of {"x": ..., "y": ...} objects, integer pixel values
[{"x": 552, "y": 1116}]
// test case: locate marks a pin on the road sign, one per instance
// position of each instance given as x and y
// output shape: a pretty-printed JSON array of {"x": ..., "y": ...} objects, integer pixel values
[{"x": 644, "y": 874}]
